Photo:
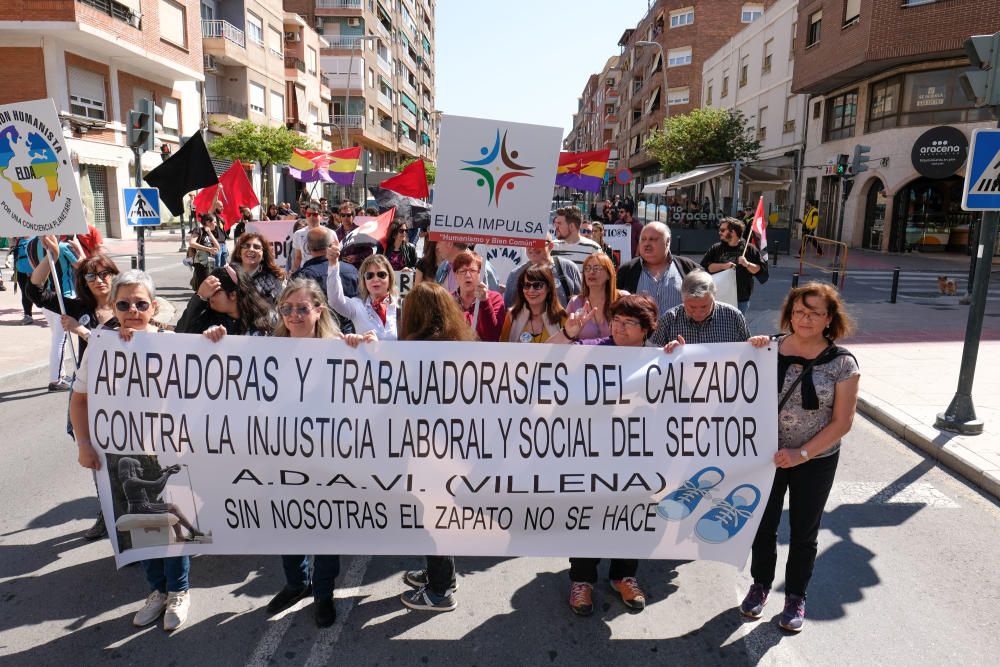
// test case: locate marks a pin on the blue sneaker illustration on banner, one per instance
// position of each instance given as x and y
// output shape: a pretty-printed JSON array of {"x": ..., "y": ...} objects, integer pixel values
[
  {"x": 729, "y": 515},
  {"x": 681, "y": 502}
]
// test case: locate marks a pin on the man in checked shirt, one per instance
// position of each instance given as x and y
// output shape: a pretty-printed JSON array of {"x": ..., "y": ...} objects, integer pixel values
[{"x": 699, "y": 318}]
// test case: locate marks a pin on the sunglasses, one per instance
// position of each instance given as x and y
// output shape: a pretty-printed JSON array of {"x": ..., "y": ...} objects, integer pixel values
[
  {"x": 535, "y": 286},
  {"x": 103, "y": 275},
  {"x": 586, "y": 232},
  {"x": 346, "y": 215},
  {"x": 125, "y": 306},
  {"x": 251, "y": 246},
  {"x": 301, "y": 309},
  {"x": 376, "y": 274}
]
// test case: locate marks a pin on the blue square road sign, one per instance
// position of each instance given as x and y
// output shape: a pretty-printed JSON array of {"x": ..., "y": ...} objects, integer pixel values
[
  {"x": 142, "y": 206},
  {"x": 982, "y": 176}
]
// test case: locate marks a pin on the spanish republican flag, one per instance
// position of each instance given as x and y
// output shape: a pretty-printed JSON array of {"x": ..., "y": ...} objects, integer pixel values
[
  {"x": 332, "y": 167},
  {"x": 583, "y": 171}
]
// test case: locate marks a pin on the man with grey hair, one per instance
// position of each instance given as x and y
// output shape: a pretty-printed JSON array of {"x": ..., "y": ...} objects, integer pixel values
[
  {"x": 317, "y": 240},
  {"x": 700, "y": 318},
  {"x": 655, "y": 272}
]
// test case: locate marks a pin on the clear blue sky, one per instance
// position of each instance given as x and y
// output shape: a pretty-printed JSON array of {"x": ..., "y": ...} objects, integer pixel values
[{"x": 525, "y": 60}]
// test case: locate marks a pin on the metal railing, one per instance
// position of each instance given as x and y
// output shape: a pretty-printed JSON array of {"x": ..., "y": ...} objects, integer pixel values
[
  {"x": 115, "y": 10},
  {"x": 291, "y": 62},
  {"x": 385, "y": 101},
  {"x": 343, "y": 42},
  {"x": 338, "y": 4},
  {"x": 226, "y": 105},
  {"x": 382, "y": 133},
  {"x": 384, "y": 65},
  {"x": 224, "y": 29},
  {"x": 350, "y": 121},
  {"x": 408, "y": 116},
  {"x": 408, "y": 144},
  {"x": 382, "y": 30},
  {"x": 825, "y": 255}
]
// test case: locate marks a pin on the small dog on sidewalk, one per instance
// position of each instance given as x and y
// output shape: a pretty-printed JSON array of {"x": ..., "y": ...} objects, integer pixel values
[{"x": 946, "y": 285}]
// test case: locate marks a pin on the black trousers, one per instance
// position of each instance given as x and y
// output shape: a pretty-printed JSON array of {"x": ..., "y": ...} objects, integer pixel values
[
  {"x": 440, "y": 573},
  {"x": 585, "y": 569},
  {"x": 808, "y": 486},
  {"x": 22, "y": 281}
]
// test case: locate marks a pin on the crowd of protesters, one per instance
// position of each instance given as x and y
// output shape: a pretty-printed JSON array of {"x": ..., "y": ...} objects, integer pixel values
[{"x": 571, "y": 290}]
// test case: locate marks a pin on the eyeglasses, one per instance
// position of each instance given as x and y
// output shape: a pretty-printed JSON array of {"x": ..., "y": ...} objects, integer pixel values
[
  {"x": 103, "y": 275},
  {"x": 586, "y": 232},
  {"x": 376, "y": 274},
  {"x": 346, "y": 215},
  {"x": 125, "y": 306},
  {"x": 467, "y": 271},
  {"x": 251, "y": 246},
  {"x": 593, "y": 268},
  {"x": 301, "y": 309},
  {"x": 802, "y": 314},
  {"x": 624, "y": 323},
  {"x": 402, "y": 230},
  {"x": 534, "y": 286}
]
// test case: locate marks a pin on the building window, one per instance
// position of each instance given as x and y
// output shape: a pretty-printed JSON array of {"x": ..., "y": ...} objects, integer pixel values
[
  {"x": 725, "y": 87},
  {"x": 841, "y": 115},
  {"x": 313, "y": 116},
  {"x": 708, "y": 96},
  {"x": 277, "y": 107},
  {"x": 762, "y": 124},
  {"x": 815, "y": 26},
  {"x": 173, "y": 21},
  {"x": 816, "y": 110},
  {"x": 310, "y": 60},
  {"x": 744, "y": 70},
  {"x": 171, "y": 117},
  {"x": 682, "y": 17},
  {"x": 751, "y": 12},
  {"x": 255, "y": 28},
  {"x": 852, "y": 12},
  {"x": 791, "y": 49},
  {"x": 256, "y": 97},
  {"x": 677, "y": 57},
  {"x": 883, "y": 104},
  {"x": 790, "y": 104},
  {"x": 678, "y": 96},
  {"x": 87, "y": 94},
  {"x": 277, "y": 42},
  {"x": 921, "y": 98},
  {"x": 765, "y": 66}
]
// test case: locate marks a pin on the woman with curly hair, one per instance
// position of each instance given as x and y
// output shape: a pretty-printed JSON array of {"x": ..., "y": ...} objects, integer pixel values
[
  {"x": 255, "y": 256},
  {"x": 227, "y": 302}
]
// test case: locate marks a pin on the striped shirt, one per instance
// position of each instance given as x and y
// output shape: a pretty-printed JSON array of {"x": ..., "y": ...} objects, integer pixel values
[
  {"x": 664, "y": 290},
  {"x": 725, "y": 324},
  {"x": 576, "y": 252}
]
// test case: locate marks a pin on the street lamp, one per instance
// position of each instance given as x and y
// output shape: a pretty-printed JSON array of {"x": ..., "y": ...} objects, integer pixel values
[{"x": 663, "y": 64}]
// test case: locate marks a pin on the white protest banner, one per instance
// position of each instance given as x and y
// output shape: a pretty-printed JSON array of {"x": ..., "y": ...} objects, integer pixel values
[
  {"x": 619, "y": 237},
  {"x": 404, "y": 281},
  {"x": 494, "y": 181},
  {"x": 279, "y": 234},
  {"x": 275, "y": 445},
  {"x": 725, "y": 286},
  {"x": 38, "y": 191},
  {"x": 505, "y": 261}
]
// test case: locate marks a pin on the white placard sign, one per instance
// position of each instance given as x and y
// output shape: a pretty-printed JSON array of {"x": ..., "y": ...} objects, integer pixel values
[
  {"x": 279, "y": 234},
  {"x": 38, "y": 190},
  {"x": 505, "y": 260},
  {"x": 619, "y": 237},
  {"x": 275, "y": 445},
  {"x": 494, "y": 181}
]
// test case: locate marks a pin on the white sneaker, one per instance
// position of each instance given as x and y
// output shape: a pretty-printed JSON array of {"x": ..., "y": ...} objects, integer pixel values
[
  {"x": 155, "y": 604},
  {"x": 178, "y": 605}
]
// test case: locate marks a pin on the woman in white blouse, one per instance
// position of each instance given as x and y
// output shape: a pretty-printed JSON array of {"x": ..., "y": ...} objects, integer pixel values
[{"x": 377, "y": 305}]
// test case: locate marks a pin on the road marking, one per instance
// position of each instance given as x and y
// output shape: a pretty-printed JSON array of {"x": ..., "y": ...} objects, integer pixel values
[{"x": 880, "y": 493}]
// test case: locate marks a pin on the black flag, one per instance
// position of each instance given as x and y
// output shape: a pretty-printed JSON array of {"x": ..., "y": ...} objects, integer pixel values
[
  {"x": 407, "y": 208},
  {"x": 190, "y": 168}
]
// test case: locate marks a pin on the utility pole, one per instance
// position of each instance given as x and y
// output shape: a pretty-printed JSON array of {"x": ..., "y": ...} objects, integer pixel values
[{"x": 141, "y": 137}]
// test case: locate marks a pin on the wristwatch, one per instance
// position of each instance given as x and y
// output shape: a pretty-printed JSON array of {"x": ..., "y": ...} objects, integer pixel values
[{"x": 804, "y": 453}]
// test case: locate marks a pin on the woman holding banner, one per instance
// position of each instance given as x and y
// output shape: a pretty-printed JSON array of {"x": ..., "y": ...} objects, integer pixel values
[
  {"x": 255, "y": 256},
  {"x": 227, "y": 302},
  {"x": 304, "y": 314},
  {"x": 430, "y": 313},
  {"x": 492, "y": 310},
  {"x": 134, "y": 299},
  {"x": 536, "y": 315},
  {"x": 818, "y": 389},
  {"x": 377, "y": 304}
]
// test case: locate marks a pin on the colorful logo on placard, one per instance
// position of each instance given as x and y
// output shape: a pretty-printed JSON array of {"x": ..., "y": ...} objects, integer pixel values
[
  {"x": 497, "y": 169},
  {"x": 24, "y": 161}
]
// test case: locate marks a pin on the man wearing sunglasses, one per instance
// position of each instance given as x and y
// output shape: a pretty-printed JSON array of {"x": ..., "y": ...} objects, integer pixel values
[
  {"x": 345, "y": 217},
  {"x": 313, "y": 220}
]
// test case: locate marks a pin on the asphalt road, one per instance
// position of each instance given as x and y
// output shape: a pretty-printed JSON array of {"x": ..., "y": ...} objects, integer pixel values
[{"x": 906, "y": 575}]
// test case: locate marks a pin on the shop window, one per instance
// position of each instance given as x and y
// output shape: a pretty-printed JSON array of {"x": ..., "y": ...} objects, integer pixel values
[
  {"x": 841, "y": 116},
  {"x": 815, "y": 28}
]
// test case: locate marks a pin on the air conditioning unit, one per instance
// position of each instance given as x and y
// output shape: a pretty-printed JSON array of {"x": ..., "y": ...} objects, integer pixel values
[
  {"x": 210, "y": 63},
  {"x": 319, "y": 23},
  {"x": 293, "y": 36},
  {"x": 354, "y": 22}
]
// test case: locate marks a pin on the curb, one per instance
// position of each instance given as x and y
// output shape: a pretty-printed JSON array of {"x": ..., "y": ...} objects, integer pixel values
[{"x": 950, "y": 450}]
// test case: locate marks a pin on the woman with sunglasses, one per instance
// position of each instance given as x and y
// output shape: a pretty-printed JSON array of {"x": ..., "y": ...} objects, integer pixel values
[
  {"x": 227, "y": 302},
  {"x": 377, "y": 304},
  {"x": 255, "y": 256},
  {"x": 402, "y": 254},
  {"x": 304, "y": 314},
  {"x": 471, "y": 290},
  {"x": 598, "y": 296},
  {"x": 536, "y": 315},
  {"x": 134, "y": 298}
]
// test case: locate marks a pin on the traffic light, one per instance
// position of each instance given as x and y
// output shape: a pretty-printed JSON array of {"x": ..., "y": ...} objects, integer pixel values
[
  {"x": 982, "y": 85},
  {"x": 143, "y": 125},
  {"x": 842, "y": 164},
  {"x": 859, "y": 162}
]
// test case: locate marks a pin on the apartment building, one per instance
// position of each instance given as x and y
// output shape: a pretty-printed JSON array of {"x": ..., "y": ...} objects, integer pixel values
[
  {"x": 752, "y": 73},
  {"x": 96, "y": 59},
  {"x": 884, "y": 73},
  {"x": 379, "y": 64}
]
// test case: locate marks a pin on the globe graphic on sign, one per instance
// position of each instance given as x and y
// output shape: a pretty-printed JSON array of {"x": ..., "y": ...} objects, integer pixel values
[{"x": 26, "y": 159}]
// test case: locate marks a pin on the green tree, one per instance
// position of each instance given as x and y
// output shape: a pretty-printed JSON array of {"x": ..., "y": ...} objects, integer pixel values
[
  {"x": 428, "y": 167},
  {"x": 703, "y": 136},
  {"x": 248, "y": 142}
]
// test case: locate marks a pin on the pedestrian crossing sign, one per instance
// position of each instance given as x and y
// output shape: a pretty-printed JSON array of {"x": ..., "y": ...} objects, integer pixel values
[
  {"x": 982, "y": 177},
  {"x": 142, "y": 206}
]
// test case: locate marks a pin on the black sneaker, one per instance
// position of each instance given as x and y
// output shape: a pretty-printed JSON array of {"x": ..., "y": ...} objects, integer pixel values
[
  {"x": 418, "y": 579},
  {"x": 97, "y": 531},
  {"x": 286, "y": 597},
  {"x": 62, "y": 385},
  {"x": 424, "y": 599},
  {"x": 794, "y": 613},
  {"x": 753, "y": 604},
  {"x": 324, "y": 612}
]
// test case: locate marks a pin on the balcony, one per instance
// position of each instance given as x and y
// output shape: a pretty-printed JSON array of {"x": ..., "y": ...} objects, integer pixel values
[
  {"x": 338, "y": 4},
  {"x": 383, "y": 31},
  {"x": 351, "y": 122},
  {"x": 291, "y": 62},
  {"x": 789, "y": 126},
  {"x": 224, "y": 42},
  {"x": 384, "y": 64},
  {"x": 223, "y": 110},
  {"x": 610, "y": 120},
  {"x": 611, "y": 92},
  {"x": 343, "y": 42},
  {"x": 407, "y": 116},
  {"x": 225, "y": 30},
  {"x": 408, "y": 145},
  {"x": 385, "y": 101},
  {"x": 115, "y": 10},
  {"x": 382, "y": 135}
]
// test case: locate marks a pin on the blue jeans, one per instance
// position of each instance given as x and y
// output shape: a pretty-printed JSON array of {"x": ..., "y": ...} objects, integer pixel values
[
  {"x": 168, "y": 575},
  {"x": 325, "y": 571},
  {"x": 744, "y": 306},
  {"x": 222, "y": 258}
]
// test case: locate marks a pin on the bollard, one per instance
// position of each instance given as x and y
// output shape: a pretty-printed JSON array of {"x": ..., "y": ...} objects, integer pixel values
[
  {"x": 777, "y": 251},
  {"x": 835, "y": 278},
  {"x": 895, "y": 285},
  {"x": 135, "y": 261},
  {"x": 795, "y": 280}
]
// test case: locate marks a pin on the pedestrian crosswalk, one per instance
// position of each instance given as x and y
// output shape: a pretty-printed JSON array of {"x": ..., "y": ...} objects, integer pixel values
[{"x": 916, "y": 285}]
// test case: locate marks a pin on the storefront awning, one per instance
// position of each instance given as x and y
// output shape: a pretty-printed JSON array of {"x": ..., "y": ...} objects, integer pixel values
[{"x": 757, "y": 179}]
